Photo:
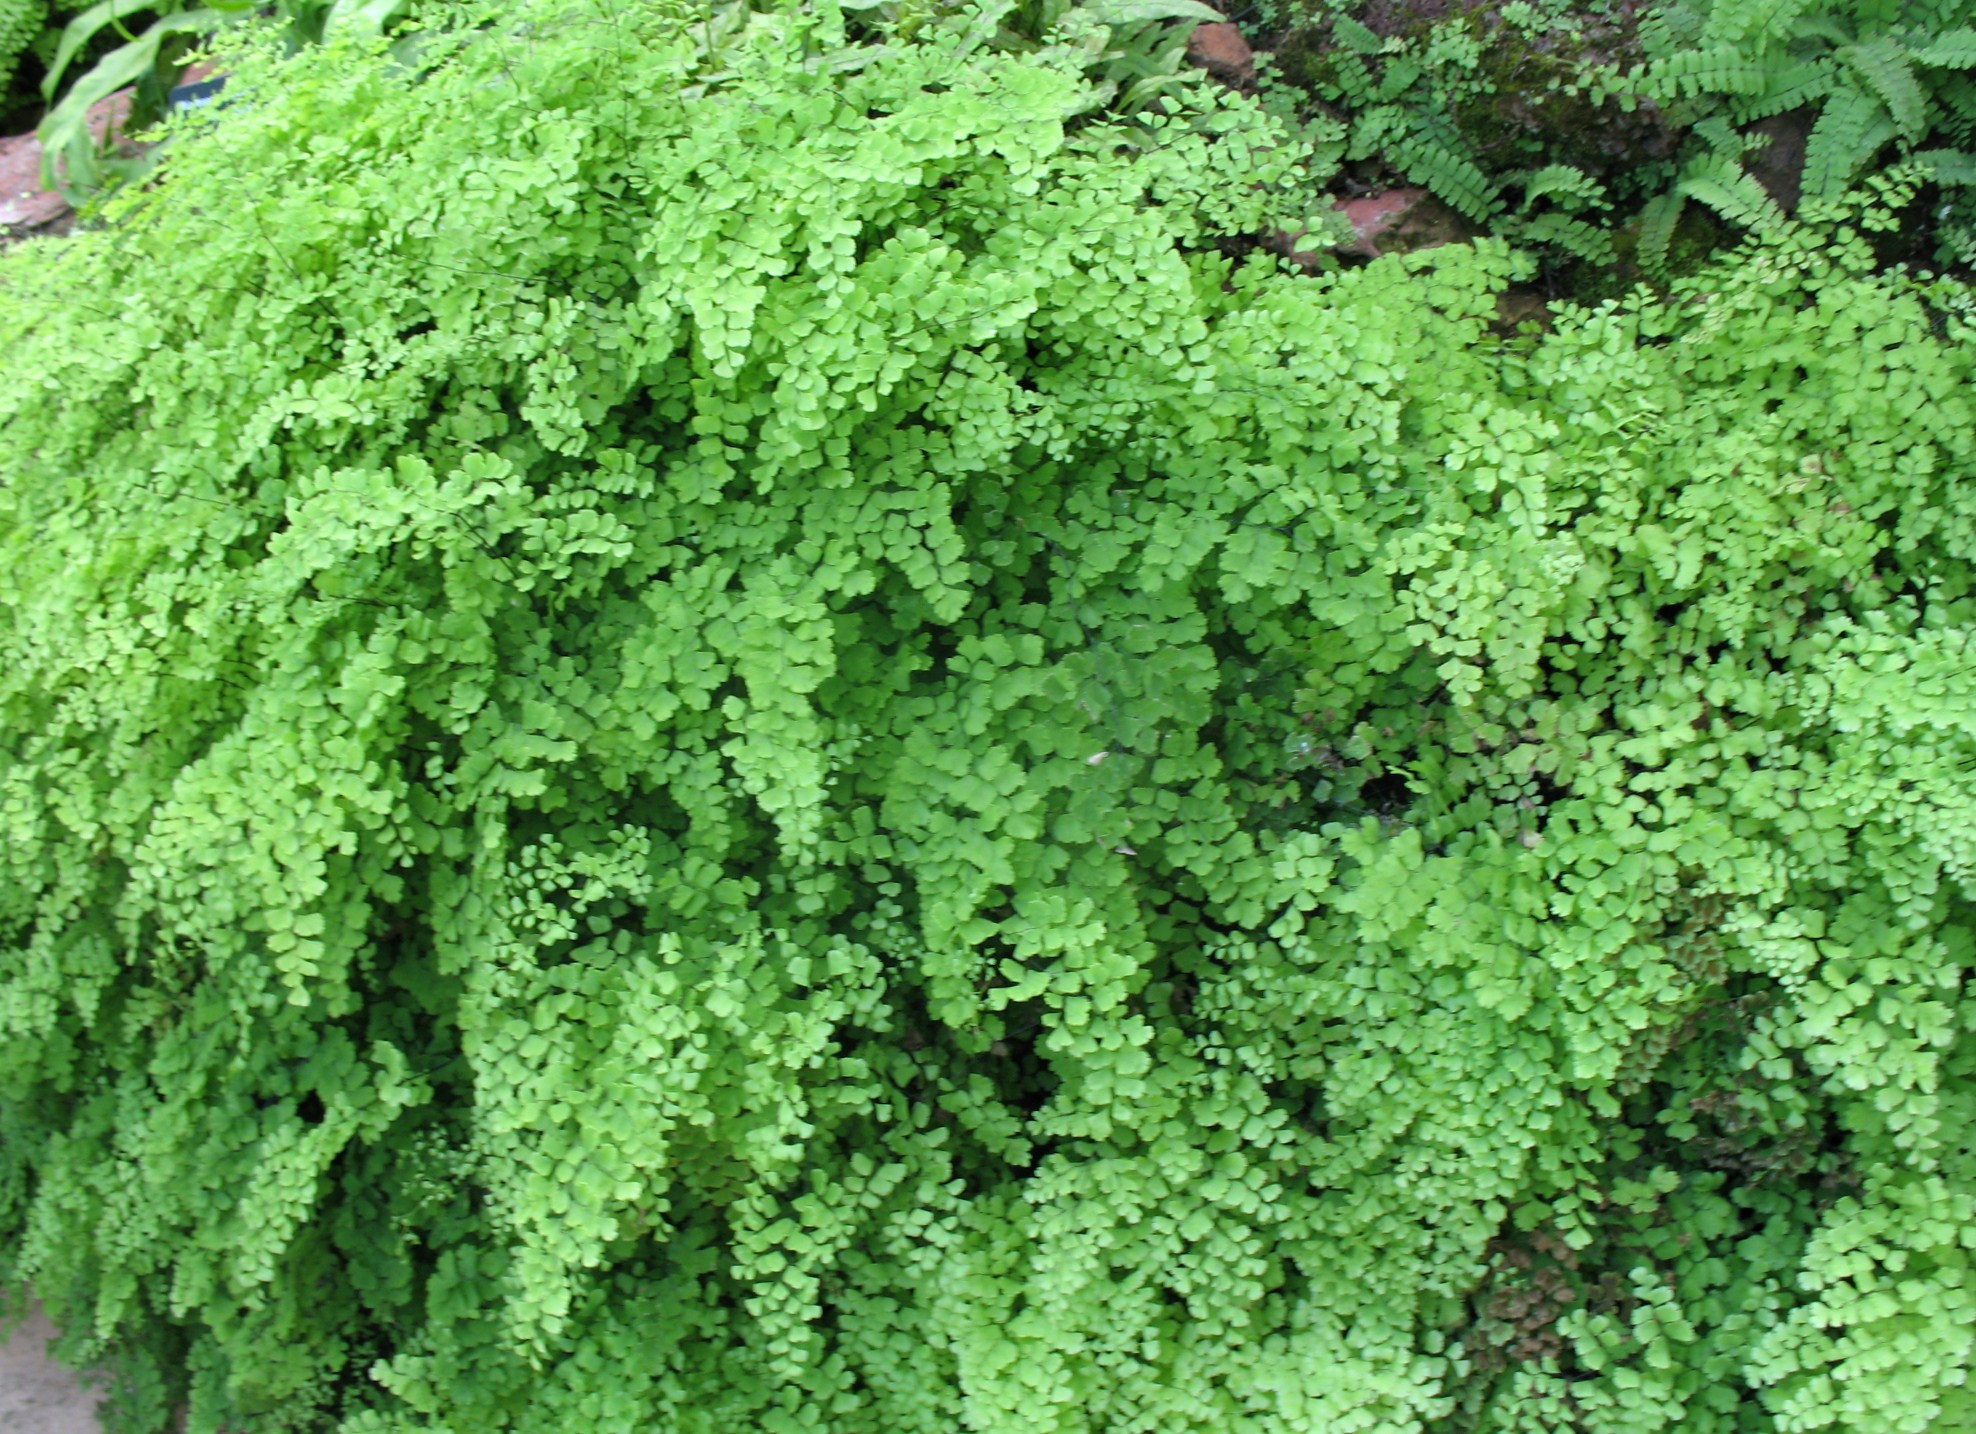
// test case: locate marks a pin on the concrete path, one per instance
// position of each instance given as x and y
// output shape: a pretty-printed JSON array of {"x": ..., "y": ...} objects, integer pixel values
[{"x": 37, "y": 1395}]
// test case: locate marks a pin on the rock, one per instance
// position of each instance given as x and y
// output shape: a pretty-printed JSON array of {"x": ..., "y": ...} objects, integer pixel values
[
  {"x": 1517, "y": 307},
  {"x": 1779, "y": 165},
  {"x": 1400, "y": 221},
  {"x": 37, "y": 1395},
  {"x": 1395, "y": 221},
  {"x": 1388, "y": 18},
  {"x": 1301, "y": 247},
  {"x": 1220, "y": 49},
  {"x": 26, "y": 209}
]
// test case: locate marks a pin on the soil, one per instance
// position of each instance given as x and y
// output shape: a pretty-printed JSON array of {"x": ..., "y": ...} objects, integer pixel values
[{"x": 37, "y": 1395}]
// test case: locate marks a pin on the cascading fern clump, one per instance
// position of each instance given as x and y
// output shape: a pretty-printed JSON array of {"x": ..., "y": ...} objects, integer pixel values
[{"x": 722, "y": 741}]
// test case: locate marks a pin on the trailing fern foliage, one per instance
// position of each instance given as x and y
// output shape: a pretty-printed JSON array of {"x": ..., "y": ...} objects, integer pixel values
[{"x": 729, "y": 736}]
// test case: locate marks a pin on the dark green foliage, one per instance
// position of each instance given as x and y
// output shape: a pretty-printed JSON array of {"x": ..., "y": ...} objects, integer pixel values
[
  {"x": 23, "y": 27},
  {"x": 20, "y": 26},
  {"x": 724, "y": 736},
  {"x": 1653, "y": 105},
  {"x": 1485, "y": 106}
]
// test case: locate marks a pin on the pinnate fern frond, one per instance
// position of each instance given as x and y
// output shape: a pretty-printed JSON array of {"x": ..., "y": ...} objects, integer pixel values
[
  {"x": 1850, "y": 130},
  {"x": 1737, "y": 23},
  {"x": 1663, "y": 30},
  {"x": 1356, "y": 36},
  {"x": 1720, "y": 70},
  {"x": 1586, "y": 241},
  {"x": 1449, "y": 173},
  {"x": 1823, "y": 27},
  {"x": 1352, "y": 83},
  {"x": 1657, "y": 222},
  {"x": 1787, "y": 88},
  {"x": 1883, "y": 65},
  {"x": 1566, "y": 186},
  {"x": 1947, "y": 166},
  {"x": 1724, "y": 186},
  {"x": 1951, "y": 50},
  {"x": 1957, "y": 96}
]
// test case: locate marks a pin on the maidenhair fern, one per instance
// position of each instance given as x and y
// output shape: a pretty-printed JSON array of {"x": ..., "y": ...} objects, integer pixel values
[
  {"x": 732, "y": 737},
  {"x": 21, "y": 23}
]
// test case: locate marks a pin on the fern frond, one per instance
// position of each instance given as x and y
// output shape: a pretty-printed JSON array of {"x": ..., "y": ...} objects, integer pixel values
[
  {"x": 1668, "y": 29},
  {"x": 1947, "y": 166},
  {"x": 1401, "y": 73},
  {"x": 1850, "y": 130},
  {"x": 1447, "y": 172},
  {"x": 1351, "y": 82},
  {"x": 1724, "y": 186},
  {"x": 1957, "y": 94},
  {"x": 1724, "y": 70},
  {"x": 1657, "y": 223},
  {"x": 1722, "y": 135},
  {"x": 1565, "y": 185},
  {"x": 1376, "y": 129},
  {"x": 1355, "y": 35},
  {"x": 1952, "y": 50},
  {"x": 1822, "y": 27},
  {"x": 1956, "y": 239},
  {"x": 1788, "y": 88},
  {"x": 1929, "y": 17},
  {"x": 1733, "y": 24},
  {"x": 1574, "y": 236},
  {"x": 1882, "y": 63}
]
